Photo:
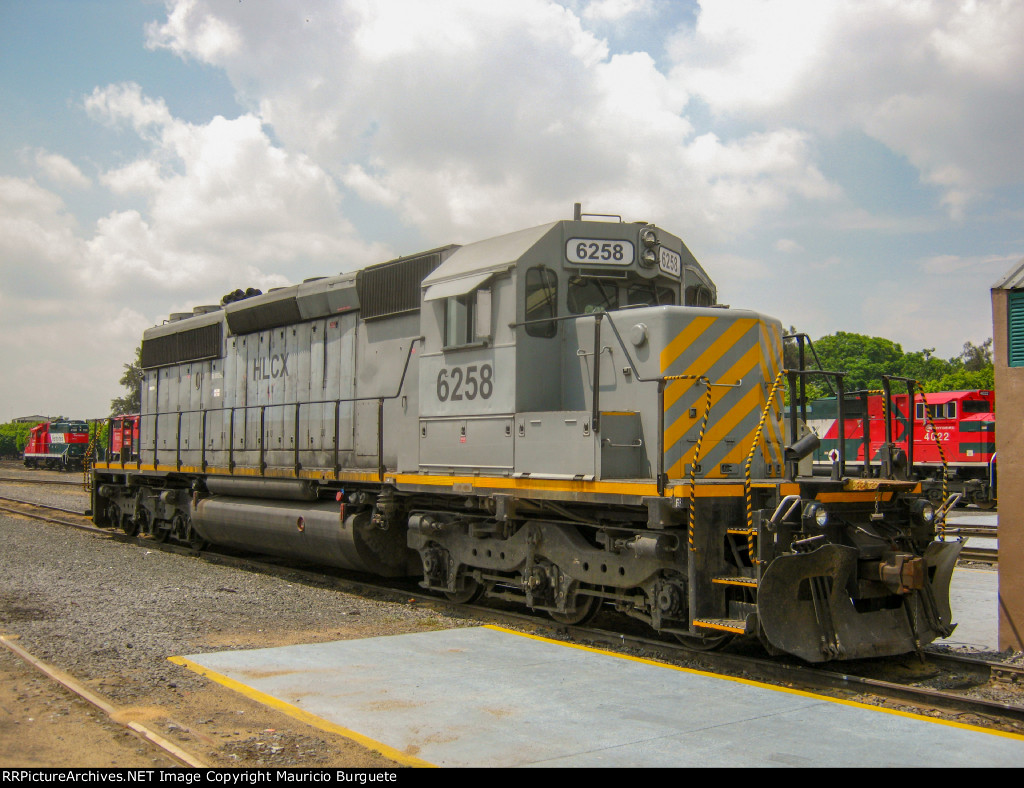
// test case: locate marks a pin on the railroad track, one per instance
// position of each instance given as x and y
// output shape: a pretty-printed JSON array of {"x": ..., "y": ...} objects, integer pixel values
[
  {"x": 986, "y": 532},
  {"x": 982, "y": 555},
  {"x": 856, "y": 678},
  {"x": 27, "y": 480}
]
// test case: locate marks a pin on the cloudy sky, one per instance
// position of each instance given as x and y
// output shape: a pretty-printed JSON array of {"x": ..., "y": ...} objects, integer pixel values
[{"x": 843, "y": 165}]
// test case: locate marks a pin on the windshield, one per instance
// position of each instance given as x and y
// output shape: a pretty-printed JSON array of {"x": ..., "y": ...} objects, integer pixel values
[
  {"x": 650, "y": 294},
  {"x": 587, "y": 296}
]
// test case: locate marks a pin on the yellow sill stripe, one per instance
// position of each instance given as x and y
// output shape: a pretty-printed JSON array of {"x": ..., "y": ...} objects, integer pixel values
[
  {"x": 488, "y": 483},
  {"x": 647, "y": 489},
  {"x": 299, "y": 714},
  {"x": 318, "y": 474},
  {"x": 851, "y": 497},
  {"x": 762, "y": 685},
  {"x": 719, "y": 627}
]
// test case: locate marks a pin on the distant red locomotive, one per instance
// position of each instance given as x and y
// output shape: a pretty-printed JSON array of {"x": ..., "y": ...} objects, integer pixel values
[
  {"x": 124, "y": 438},
  {"x": 59, "y": 445},
  {"x": 957, "y": 427}
]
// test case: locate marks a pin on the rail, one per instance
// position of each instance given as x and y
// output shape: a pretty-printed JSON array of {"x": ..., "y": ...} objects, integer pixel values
[{"x": 262, "y": 443}]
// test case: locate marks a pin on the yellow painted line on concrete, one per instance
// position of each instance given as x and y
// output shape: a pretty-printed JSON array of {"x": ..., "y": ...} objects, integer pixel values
[
  {"x": 302, "y": 716},
  {"x": 762, "y": 685}
]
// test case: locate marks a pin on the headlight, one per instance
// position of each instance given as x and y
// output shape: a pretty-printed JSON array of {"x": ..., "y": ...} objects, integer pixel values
[
  {"x": 816, "y": 514},
  {"x": 923, "y": 512},
  {"x": 648, "y": 237},
  {"x": 649, "y": 258}
]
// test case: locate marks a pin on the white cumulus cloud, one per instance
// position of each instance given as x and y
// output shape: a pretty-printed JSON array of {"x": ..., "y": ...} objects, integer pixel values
[
  {"x": 928, "y": 79},
  {"x": 468, "y": 118}
]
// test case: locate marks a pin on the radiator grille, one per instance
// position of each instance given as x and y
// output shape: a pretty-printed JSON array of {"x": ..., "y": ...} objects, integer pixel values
[
  {"x": 195, "y": 344},
  {"x": 394, "y": 288}
]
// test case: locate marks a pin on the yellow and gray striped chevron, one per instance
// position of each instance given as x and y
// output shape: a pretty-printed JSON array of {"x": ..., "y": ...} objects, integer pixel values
[{"x": 741, "y": 356}]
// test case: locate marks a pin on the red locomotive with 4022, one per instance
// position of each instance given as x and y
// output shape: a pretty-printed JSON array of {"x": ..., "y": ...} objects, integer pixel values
[{"x": 951, "y": 429}]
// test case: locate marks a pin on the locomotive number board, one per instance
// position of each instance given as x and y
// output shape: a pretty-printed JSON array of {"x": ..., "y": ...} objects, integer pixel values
[{"x": 599, "y": 251}]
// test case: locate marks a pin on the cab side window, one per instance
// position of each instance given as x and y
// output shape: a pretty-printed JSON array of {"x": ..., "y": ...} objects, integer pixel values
[
  {"x": 460, "y": 320},
  {"x": 541, "y": 302}
]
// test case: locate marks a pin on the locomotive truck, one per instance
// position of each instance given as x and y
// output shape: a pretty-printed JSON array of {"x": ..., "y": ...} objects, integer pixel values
[{"x": 562, "y": 416}]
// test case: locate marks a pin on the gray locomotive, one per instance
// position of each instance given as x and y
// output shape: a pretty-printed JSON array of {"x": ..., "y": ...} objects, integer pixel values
[{"x": 562, "y": 416}]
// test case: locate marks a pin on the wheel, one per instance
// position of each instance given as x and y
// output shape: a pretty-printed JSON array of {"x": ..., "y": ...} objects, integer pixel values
[
  {"x": 129, "y": 525},
  {"x": 195, "y": 541},
  {"x": 160, "y": 534},
  {"x": 586, "y": 608},
  {"x": 139, "y": 523},
  {"x": 985, "y": 505},
  {"x": 471, "y": 591},
  {"x": 697, "y": 643}
]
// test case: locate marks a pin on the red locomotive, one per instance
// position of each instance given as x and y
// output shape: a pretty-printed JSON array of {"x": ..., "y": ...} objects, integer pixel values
[
  {"x": 124, "y": 439},
  {"x": 58, "y": 445},
  {"x": 957, "y": 427}
]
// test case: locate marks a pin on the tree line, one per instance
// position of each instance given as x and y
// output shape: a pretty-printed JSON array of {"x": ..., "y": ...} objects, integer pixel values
[{"x": 866, "y": 359}]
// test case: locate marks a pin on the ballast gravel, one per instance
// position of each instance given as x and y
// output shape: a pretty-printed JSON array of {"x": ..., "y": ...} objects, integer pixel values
[{"x": 111, "y": 613}]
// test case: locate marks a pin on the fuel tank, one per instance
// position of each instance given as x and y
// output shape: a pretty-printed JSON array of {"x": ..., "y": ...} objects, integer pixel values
[{"x": 318, "y": 532}]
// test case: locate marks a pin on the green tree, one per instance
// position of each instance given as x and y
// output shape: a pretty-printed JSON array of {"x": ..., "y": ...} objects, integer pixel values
[
  {"x": 977, "y": 358},
  {"x": 132, "y": 381},
  {"x": 864, "y": 359},
  {"x": 867, "y": 359},
  {"x": 13, "y": 438}
]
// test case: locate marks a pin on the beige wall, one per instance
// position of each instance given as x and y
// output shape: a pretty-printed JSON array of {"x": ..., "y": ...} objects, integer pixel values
[{"x": 1010, "y": 463}]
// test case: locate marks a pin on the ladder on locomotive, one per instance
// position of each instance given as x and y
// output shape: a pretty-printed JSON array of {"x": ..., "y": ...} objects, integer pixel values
[
  {"x": 743, "y": 611},
  {"x": 742, "y": 546}
]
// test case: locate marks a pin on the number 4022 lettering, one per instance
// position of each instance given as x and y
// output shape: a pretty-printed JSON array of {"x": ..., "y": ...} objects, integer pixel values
[{"x": 465, "y": 383}]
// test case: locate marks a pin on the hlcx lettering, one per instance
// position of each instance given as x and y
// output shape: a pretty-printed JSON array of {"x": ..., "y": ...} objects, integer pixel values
[{"x": 275, "y": 366}]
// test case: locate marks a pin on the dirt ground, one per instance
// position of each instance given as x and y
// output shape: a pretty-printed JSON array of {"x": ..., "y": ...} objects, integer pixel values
[{"x": 43, "y": 725}]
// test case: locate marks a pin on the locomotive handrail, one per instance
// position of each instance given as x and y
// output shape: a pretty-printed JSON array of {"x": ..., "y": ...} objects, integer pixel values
[
  {"x": 793, "y": 375},
  {"x": 911, "y": 406},
  {"x": 800, "y": 337},
  {"x": 380, "y": 399}
]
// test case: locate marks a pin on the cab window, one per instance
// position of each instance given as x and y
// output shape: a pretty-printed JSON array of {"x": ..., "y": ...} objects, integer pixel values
[
  {"x": 698, "y": 295},
  {"x": 587, "y": 296},
  {"x": 459, "y": 320},
  {"x": 541, "y": 302},
  {"x": 650, "y": 294}
]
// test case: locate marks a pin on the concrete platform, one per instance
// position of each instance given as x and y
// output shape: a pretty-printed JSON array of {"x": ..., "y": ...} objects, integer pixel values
[
  {"x": 489, "y": 697},
  {"x": 972, "y": 596}
]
